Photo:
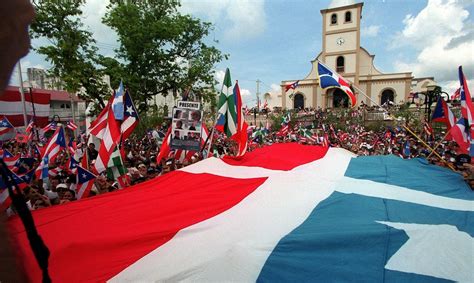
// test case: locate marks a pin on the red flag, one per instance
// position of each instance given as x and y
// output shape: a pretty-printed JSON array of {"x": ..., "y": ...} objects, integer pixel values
[
  {"x": 240, "y": 136},
  {"x": 292, "y": 86},
  {"x": 98, "y": 126},
  {"x": 165, "y": 147},
  {"x": 110, "y": 139}
]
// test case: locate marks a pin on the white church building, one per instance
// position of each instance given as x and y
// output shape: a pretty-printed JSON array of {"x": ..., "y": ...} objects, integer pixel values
[{"x": 343, "y": 53}]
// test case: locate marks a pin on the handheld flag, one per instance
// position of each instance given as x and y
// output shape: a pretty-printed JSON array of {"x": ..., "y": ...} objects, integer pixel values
[
  {"x": 117, "y": 104},
  {"x": 467, "y": 109},
  {"x": 72, "y": 146},
  {"x": 165, "y": 147},
  {"x": 30, "y": 126},
  {"x": 292, "y": 86},
  {"x": 227, "y": 120},
  {"x": 240, "y": 136},
  {"x": 56, "y": 143},
  {"x": 85, "y": 181},
  {"x": 330, "y": 79},
  {"x": 443, "y": 114},
  {"x": 131, "y": 119},
  {"x": 108, "y": 143},
  {"x": 71, "y": 125},
  {"x": 97, "y": 127},
  {"x": 5, "y": 126},
  {"x": 10, "y": 159},
  {"x": 50, "y": 127},
  {"x": 466, "y": 100},
  {"x": 460, "y": 134}
]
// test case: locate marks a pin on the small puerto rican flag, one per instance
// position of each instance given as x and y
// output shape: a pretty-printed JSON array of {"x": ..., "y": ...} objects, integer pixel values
[
  {"x": 71, "y": 125},
  {"x": 85, "y": 181}
]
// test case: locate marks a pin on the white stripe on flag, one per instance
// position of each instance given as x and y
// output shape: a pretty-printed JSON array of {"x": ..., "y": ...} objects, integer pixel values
[{"x": 262, "y": 218}]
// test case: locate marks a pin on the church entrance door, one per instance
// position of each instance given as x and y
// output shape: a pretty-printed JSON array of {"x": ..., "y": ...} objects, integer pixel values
[
  {"x": 298, "y": 102},
  {"x": 339, "y": 98}
]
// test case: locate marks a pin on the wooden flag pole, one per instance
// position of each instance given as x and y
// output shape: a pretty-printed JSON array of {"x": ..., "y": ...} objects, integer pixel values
[
  {"x": 409, "y": 130},
  {"x": 438, "y": 144}
]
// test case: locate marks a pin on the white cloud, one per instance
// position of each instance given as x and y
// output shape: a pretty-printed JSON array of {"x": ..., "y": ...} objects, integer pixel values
[
  {"x": 340, "y": 3},
  {"x": 370, "y": 31},
  {"x": 430, "y": 32},
  {"x": 451, "y": 86},
  {"x": 93, "y": 11},
  {"x": 219, "y": 76},
  {"x": 439, "y": 20},
  {"x": 245, "y": 92},
  {"x": 247, "y": 17},
  {"x": 275, "y": 89}
]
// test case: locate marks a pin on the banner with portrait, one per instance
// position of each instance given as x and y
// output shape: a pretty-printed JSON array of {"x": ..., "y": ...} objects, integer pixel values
[{"x": 186, "y": 126}]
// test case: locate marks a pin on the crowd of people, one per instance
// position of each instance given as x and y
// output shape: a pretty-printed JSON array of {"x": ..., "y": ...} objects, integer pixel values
[{"x": 308, "y": 126}]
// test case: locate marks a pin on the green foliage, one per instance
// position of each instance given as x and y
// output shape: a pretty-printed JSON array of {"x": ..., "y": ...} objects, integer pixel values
[
  {"x": 71, "y": 53},
  {"x": 148, "y": 122},
  {"x": 160, "y": 50}
]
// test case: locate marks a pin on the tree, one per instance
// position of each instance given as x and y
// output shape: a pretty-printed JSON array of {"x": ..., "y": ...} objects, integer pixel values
[
  {"x": 72, "y": 52},
  {"x": 161, "y": 50}
]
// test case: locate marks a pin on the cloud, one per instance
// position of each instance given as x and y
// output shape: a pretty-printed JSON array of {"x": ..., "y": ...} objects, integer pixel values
[
  {"x": 219, "y": 76},
  {"x": 438, "y": 35},
  {"x": 275, "y": 89},
  {"x": 340, "y": 3},
  {"x": 370, "y": 31},
  {"x": 93, "y": 11},
  {"x": 245, "y": 92},
  {"x": 246, "y": 18}
]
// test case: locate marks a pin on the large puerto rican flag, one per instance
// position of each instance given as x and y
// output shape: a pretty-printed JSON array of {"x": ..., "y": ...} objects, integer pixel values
[{"x": 286, "y": 213}]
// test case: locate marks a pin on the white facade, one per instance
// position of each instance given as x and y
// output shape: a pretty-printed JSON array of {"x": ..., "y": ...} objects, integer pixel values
[{"x": 341, "y": 51}]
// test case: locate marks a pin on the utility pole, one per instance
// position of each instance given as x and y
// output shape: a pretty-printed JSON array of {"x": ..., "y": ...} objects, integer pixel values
[
  {"x": 22, "y": 94},
  {"x": 73, "y": 114},
  {"x": 258, "y": 93}
]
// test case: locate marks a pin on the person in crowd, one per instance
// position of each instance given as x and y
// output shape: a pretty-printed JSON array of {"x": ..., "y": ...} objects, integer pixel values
[{"x": 92, "y": 152}]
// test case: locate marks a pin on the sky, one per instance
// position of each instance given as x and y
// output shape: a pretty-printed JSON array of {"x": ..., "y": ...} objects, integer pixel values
[{"x": 275, "y": 40}]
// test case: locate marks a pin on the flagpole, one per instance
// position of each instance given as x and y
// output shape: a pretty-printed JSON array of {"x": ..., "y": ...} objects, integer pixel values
[
  {"x": 438, "y": 144},
  {"x": 215, "y": 121},
  {"x": 408, "y": 129},
  {"x": 22, "y": 94}
]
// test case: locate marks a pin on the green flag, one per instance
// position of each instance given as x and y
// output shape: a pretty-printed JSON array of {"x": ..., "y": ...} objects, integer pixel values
[
  {"x": 115, "y": 167},
  {"x": 227, "y": 121}
]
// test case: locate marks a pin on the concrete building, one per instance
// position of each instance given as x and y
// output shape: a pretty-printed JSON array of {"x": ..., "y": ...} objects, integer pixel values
[{"x": 343, "y": 53}]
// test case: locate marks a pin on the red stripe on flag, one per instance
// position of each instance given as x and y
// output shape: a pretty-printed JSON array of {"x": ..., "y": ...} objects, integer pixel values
[
  {"x": 96, "y": 238},
  {"x": 101, "y": 236},
  {"x": 264, "y": 158}
]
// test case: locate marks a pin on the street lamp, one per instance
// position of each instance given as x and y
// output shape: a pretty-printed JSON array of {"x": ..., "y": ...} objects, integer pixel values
[{"x": 433, "y": 92}]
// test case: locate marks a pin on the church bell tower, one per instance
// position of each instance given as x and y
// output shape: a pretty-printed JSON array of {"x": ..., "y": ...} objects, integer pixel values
[{"x": 341, "y": 40}]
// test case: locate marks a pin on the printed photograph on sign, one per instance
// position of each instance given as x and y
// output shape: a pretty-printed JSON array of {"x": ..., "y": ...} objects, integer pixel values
[{"x": 186, "y": 129}]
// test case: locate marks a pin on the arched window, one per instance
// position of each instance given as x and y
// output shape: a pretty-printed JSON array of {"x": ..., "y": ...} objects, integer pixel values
[
  {"x": 340, "y": 64},
  {"x": 298, "y": 102},
  {"x": 333, "y": 19},
  {"x": 387, "y": 97},
  {"x": 348, "y": 17}
]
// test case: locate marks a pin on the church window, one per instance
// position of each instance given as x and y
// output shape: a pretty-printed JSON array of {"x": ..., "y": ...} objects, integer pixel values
[
  {"x": 333, "y": 19},
  {"x": 340, "y": 64},
  {"x": 348, "y": 17}
]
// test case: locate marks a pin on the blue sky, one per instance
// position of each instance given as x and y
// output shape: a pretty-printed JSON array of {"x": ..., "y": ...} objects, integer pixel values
[{"x": 275, "y": 40}]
